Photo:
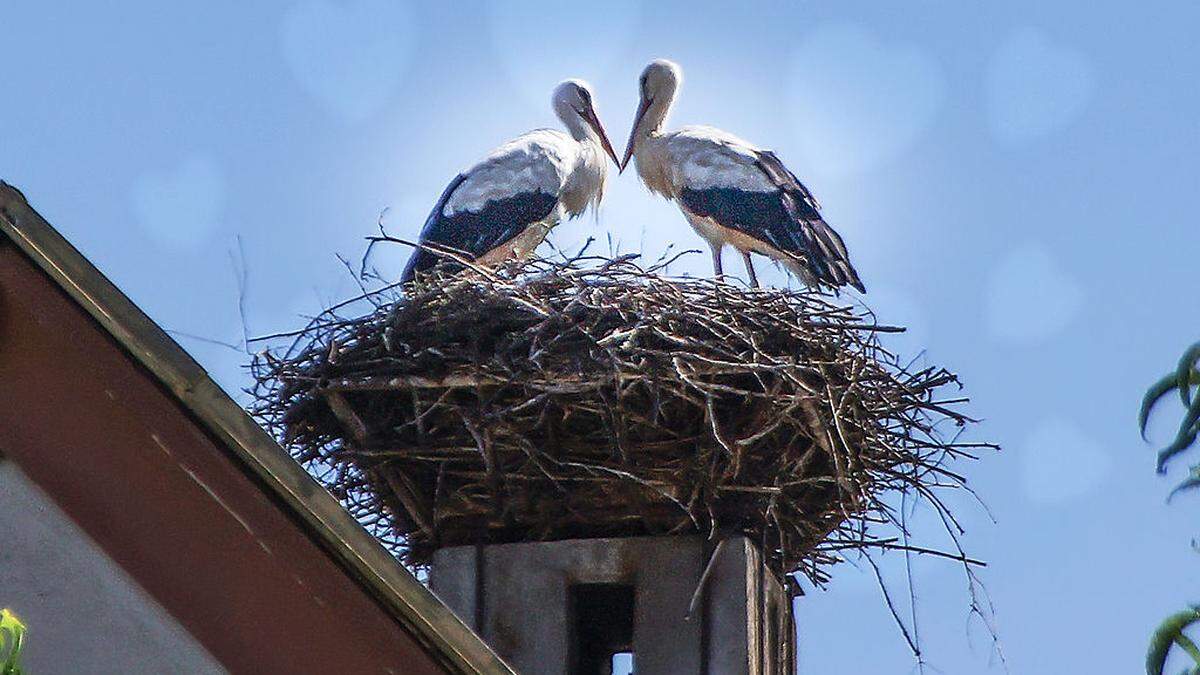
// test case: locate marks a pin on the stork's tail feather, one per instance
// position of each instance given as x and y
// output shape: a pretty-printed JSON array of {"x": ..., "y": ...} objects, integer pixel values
[
  {"x": 829, "y": 260},
  {"x": 824, "y": 251}
]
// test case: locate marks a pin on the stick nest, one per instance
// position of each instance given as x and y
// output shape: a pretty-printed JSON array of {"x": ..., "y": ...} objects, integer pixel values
[{"x": 594, "y": 398}]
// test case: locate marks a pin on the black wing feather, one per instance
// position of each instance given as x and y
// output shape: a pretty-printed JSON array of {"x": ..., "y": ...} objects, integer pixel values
[
  {"x": 472, "y": 234},
  {"x": 788, "y": 219},
  {"x": 824, "y": 243}
]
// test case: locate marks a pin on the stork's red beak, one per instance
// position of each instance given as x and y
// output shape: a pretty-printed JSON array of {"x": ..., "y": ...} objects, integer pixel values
[
  {"x": 590, "y": 116},
  {"x": 637, "y": 123}
]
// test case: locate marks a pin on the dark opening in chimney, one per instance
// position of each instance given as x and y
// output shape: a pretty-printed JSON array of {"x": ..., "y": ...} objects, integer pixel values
[{"x": 601, "y": 626}]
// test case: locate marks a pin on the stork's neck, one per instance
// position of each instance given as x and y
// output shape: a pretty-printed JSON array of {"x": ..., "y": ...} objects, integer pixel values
[
  {"x": 652, "y": 162},
  {"x": 652, "y": 121},
  {"x": 579, "y": 129},
  {"x": 656, "y": 114}
]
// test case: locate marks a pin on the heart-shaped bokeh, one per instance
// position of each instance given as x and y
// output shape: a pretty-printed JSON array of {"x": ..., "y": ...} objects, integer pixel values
[
  {"x": 1035, "y": 87},
  {"x": 1030, "y": 297},
  {"x": 182, "y": 206},
  {"x": 1059, "y": 463},
  {"x": 859, "y": 102},
  {"x": 349, "y": 56},
  {"x": 542, "y": 42}
]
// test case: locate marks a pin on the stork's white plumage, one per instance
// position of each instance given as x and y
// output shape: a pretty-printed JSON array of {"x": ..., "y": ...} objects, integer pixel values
[
  {"x": 733, "y": 192},
  {"x": 503, "y": 207}
]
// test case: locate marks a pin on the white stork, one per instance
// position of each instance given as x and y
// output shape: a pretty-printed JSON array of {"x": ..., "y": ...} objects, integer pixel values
[
  {"x": 504, "y": 206},
  {"x": 732, "y": 192}
]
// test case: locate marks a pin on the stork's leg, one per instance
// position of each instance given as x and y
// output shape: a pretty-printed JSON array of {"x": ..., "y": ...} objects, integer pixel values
[
  {"x": 750, "y": 269},
  {"x": 717, "y": 262}
]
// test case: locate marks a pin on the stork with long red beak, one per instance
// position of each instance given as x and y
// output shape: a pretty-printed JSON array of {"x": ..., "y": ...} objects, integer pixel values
[
  {"x": 732, "y": 192},
  {"x": 503, "y": 207}
]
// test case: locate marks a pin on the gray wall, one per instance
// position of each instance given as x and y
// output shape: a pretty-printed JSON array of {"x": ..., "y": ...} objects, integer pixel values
[
  {"x": 518, "y": 597},
  {"x": 84, "y": 613}
]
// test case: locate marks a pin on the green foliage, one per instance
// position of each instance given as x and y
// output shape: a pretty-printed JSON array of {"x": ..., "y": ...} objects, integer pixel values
[
  {"x": 12, "y": 638},
  {"x": 1182, "y": 379},
  {"x": 1170, "y": 632}
]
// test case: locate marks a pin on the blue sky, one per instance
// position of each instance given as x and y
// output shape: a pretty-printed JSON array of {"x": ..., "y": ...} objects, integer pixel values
[{"x": 1016, "y": 182}]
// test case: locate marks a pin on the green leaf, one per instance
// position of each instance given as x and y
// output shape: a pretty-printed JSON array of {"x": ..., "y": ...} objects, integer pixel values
[
  {"x": 10, "y": 620},
  {"x": 12, "y": 635},
  {"x": 1183, "y": 373},
  {"x": 1189, "y": 483},
  {"x": 1168, "y": 633},
  {"x": 1181, "y": 443},
  {"x": 1153, "y": 394},
  {"x": 1185, "y": 643},
  {"x": 1156, "y": 392},
  {"x": 1188, "y": 428}
]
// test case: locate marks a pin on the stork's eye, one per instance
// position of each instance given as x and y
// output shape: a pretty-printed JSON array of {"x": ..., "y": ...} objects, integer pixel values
[{"x": 583, "y": 94}]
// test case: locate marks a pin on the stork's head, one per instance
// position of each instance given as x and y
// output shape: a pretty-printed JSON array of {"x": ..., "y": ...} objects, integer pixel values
[
  {"x": 573, "y": 104},
  {"x": 658, "y": 84}
]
